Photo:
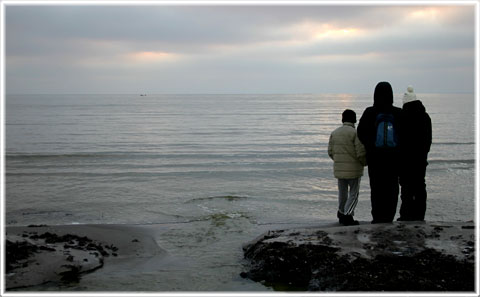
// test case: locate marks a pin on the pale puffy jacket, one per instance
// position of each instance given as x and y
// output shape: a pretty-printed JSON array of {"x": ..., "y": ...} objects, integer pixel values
[{"x": 347, "y": 152}]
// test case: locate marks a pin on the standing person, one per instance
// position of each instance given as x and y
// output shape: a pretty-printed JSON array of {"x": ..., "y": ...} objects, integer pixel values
[
  {"x": 416, "y": 141},
  {"x": 379, "y": 130},
  {"x": 348, "y": 154}
]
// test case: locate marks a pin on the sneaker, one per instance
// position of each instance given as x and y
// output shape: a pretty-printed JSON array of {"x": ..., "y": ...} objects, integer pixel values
[
  {"x": 341, "y": 218},
  {"x": 349, "y": 221},
  {"x": 355, "y": 222}
]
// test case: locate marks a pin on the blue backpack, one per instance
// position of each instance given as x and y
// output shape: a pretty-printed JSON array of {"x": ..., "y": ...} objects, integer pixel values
[{"x": 386, "y": 131}]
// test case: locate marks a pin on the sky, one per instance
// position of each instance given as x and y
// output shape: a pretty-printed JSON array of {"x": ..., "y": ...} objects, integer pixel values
[{"x": 231, "y": 49}]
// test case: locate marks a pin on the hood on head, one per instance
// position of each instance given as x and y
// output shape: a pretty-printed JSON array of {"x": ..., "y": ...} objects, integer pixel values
[{"x": 383, "y": 96}]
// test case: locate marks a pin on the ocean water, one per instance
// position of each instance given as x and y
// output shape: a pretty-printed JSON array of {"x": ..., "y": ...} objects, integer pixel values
[{"x": 206, "y": 172}]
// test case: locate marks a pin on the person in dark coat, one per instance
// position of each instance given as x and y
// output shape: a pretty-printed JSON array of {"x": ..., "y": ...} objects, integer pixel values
[
  {"x": 416, "y": 141},
  {"x": 382, "y": 156}
]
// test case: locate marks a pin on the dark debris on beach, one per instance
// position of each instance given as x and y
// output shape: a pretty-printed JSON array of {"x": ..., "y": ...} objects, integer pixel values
[
  {"x": 292, "y": 265},
  {"x": 20, "y": 253},
  {"x": 17, "y": 253}
]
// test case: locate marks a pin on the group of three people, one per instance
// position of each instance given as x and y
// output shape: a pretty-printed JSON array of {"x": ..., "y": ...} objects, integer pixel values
[{"x": 394, "y": 144}]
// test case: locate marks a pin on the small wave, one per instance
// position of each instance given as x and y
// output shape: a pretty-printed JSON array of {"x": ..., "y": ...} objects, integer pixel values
[
  {"x": 38, "y": 212},
  {"x": 254, "y": 155},
  {"x": 66, "y": 155},
  {"x": 220, "y": 219},
  {"x": 453, "y": 143},
  {"x": 443, "y": 161},
  {"x": 225, "y": 197}
]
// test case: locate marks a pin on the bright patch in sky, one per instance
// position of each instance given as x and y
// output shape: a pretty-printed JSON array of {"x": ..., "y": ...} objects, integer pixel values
[{"x": 151, "y": 56}]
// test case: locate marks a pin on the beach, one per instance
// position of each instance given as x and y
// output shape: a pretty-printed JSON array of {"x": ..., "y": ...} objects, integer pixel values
[
  {"x": 60, "y": 256},
  {"x": 145, "y": 145}
]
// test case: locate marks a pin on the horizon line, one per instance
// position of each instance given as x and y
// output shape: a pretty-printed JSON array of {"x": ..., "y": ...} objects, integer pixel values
[{"x": 233, "y": 93}]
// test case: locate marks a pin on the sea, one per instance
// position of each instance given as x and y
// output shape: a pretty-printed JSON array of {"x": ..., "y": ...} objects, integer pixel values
[{"x": 208, "y": 172}]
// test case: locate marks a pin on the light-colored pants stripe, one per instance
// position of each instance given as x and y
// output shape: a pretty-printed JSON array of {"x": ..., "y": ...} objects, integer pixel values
[{"x": 348, "y": 190}]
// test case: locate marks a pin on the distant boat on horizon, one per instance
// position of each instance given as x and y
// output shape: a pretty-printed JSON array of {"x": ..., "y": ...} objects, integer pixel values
[{"x": 143, "y": 95}]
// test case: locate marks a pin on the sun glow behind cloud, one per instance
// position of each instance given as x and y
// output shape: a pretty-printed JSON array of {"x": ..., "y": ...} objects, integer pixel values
[
  {"x": 151, "y": 57},
  {"x": 434, "y": 15},
  {"x": 425, "y": 14},
  {"x": 332, "y": 32},
  {"x": 310, "y": 31}
]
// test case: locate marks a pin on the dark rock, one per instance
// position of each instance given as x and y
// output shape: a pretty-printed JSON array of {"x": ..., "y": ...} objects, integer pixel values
[
  {"x": 72, "y": 274},
  {"x": 370, "y": 258},
  {"x": 16, "y": 253},
  {"x": 20, "y": 254}
]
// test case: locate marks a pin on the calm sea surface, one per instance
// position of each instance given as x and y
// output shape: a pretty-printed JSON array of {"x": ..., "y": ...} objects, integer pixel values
[{"x": 210, "y": 171}]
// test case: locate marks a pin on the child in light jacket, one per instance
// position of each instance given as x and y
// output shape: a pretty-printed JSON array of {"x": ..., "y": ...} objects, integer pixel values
[{"x": 348, "y": 155}]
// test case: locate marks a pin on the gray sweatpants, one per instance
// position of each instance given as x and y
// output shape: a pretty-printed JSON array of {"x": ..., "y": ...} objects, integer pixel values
[{"x": 348, "y": 195}]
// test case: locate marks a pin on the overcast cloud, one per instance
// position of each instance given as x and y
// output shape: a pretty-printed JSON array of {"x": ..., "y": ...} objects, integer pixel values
[{"x": 238, "y": 49}]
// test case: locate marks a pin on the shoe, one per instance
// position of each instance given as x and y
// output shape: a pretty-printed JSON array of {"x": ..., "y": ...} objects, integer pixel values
[
  {"x": 341, "y": 218},
  {"x": 349, "y": 221}
]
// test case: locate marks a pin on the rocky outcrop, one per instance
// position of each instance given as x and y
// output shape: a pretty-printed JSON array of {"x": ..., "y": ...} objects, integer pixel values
[
  {"x": 34, "y": 258},
  {"x": 410, "y": 256}
]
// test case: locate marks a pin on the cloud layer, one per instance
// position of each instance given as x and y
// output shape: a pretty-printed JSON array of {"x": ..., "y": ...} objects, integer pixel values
[{"x": 238, "y": 49}]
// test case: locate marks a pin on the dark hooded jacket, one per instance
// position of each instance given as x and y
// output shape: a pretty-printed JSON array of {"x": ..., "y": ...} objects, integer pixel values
[
  {"x": 416, "y": 133},
  {"x": 366, "y": 131}
]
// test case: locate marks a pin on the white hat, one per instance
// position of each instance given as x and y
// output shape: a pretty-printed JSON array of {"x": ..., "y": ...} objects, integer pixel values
[{"x": 409, "y": 96}]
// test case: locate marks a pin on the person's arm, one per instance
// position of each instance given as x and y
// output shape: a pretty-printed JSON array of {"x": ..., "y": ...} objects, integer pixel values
[
  {"x": 428, "y": 124},
  {"x": 360, "y": 151},
  {"x": 363, "y": 127},
  {"x": 330, "y": 147}
]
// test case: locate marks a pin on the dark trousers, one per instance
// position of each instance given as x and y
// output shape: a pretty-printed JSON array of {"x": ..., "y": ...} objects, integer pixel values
[
  {"x": 414, "y": 191},
  {"x": 384, "y": 188}
]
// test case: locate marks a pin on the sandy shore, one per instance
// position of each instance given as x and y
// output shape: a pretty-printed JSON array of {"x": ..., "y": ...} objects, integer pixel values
[
  {"x": 397, "y": 257},
  {"x": 41, "y": 254},
  {"x": 433, "y": 256}
]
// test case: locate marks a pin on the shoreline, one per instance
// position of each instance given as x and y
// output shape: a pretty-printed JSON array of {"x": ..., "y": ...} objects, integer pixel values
[
  {"x": 61, "y": 254},
  {"x": 64, "y": 254}
]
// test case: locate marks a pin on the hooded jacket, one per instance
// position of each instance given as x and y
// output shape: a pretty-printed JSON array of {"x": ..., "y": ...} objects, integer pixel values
[
  {"x": 382, "y": 103},
  {"x": 416, "y": 132},
  {"x": 347, "y": 152}
]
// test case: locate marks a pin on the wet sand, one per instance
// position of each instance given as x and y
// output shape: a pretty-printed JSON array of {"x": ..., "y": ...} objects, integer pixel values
[{"x": 61, "y": 254}]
